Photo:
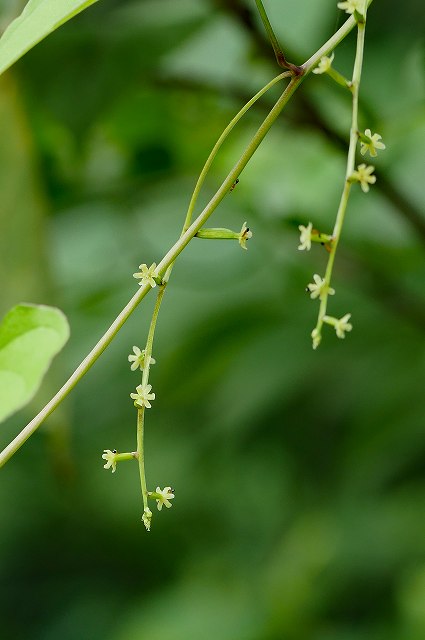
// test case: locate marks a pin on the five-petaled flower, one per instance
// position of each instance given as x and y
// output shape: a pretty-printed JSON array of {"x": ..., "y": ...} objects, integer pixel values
[
  {"x": 143, "y": 396},
  {"x": 244, "y": 235},
  {"x": 341, "y": 326},
  {"x": 305, "y": 237},
  {"x": 363, "y": 176},
  {"x": 146, "y": 275},
  {"x": 138, "y": 359},
  {"x": 372, "y": 144},
  {"x": 111, "y": 459},
  {"x": 350, "y": 6},
  {"x": 319, "y": 289},
  {"x": 163, "y": 497},
  {"x": 324, "y": 65}
]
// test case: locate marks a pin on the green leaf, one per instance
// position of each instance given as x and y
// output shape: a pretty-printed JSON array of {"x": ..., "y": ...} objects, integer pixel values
[
  {"x": 38, "y": 19},
  {"x": 30, "y": 336}
]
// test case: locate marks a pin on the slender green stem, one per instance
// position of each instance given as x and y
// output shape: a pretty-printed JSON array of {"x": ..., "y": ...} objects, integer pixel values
[
  {"x": 141, "y": 411},
  {"x": 355, "y": 83},
  {"x": 280, "y": 56},
  {"x": 151, "y": 334},
  {"x": 172, "y": 254},
  {"x": 219, "y": 143},
  {"x": 141, "y": 454}
]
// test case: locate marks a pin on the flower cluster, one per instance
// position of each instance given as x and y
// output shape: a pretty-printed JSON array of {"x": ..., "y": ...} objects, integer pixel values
[
  {"x": 371, "y": 143},
  {"x": 341, "y": 326},
  {"x": 138, "y": 359},
  {"x": 305, "y": 237},
  {"x": 350, "y": 6},
  {"x": 244, "y": 235},
  {"x": 162, "y": 497},
  {"x": 111, "y": 459},
  {"x": 364, "y": 176},
  {"x": 319, "y": 289},
  {"x": 324, "y": 65},
  {"x": 146, "y": 518},
  {"x": 143, "y": 396},
  {"x": 146, "y": 275}
]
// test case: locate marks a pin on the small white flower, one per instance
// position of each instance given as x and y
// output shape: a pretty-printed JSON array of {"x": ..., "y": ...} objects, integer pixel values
[
  {"x": 341, "y": 326},
  {"x": 324, "y": 65},
  {"x": 319, "y": 289},
  {"x": 138, "y": 359},
  {"x": 165, "y": 495},
  {"x": 146, "y": 274},
  {"x": 111, "y": 459},
  {"x": 350, "y": 6},
  {"x": 146, "y": 518},
  {"x": 363, "y": 176},
  {"x": 373, "y": 144},
  {"x": 305, "y": 237},
  {"x": 244, "y": 235},
  {"x": 143, "y": 396}
]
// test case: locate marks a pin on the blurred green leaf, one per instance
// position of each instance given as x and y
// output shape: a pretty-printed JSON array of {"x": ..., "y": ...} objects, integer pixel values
[
  {"x": 30, "y": 335},
  {"x": 38, "y": 19}
]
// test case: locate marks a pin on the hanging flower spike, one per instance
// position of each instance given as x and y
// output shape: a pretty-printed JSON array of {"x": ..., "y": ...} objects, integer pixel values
[
  {"x": 163, "y": 497},
  {"x": 244, "y": 235},
  {"x": 324, "y": 65},
  {"x": 305, "y": 237},
  {"x": 319, "y": 289},
  {"x": 146, "y": 275},
  {"x": 143, "y": 396},
  {"x": 350, "y": 6},
  {"x": 371, "y": 143},
  {"x": 341, "y": 326},
  {"x": 363, "y": 176},
  {"x": 146, "y": 518},
  {"x": 111, "y": 459},
  {"x": 138, "y": 359}
]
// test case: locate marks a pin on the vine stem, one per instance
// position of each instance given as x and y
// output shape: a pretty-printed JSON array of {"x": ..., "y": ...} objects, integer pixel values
[
  {"x": 141, "y": 411},
  {"x": 177, "y": 248},
  {"x": 342, "y": 208}
]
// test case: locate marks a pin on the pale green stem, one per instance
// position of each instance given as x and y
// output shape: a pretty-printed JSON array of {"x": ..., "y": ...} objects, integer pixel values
[
  {"x": 141, "y": 454},
  {"x": 219, "y": 143},
  {"x": 280, "y": 56},
  {"x": 172, "y": 254},
  {"x": 145, "y": 380},
  {"x": 355, "y": 83}
]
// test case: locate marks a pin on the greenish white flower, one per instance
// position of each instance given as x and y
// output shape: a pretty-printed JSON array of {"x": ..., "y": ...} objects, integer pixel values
[
  {"x": 341, "y": 326},
  {"x": 350, "y": 6},
  {"x": 163, "y": 497},
  {"x": 146, "y": 274},
  {"x": 143, "y": 396},
  {"x": 372, "y": 145},
  {"x": 244, "y": 235},
  {"x": 146, "y": 518},
  {"x": 363, "y": 176},
  {"x": 138, "y": 359},
  {"x": 305, "y": 237},
  {"x": 111, "y": 459},
  {"x": 324, "y": 65},
  {"x": 319, "y": 289}
]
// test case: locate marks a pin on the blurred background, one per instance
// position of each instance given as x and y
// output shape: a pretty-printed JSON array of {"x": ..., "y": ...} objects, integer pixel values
[{"x": 299, "y": 476}]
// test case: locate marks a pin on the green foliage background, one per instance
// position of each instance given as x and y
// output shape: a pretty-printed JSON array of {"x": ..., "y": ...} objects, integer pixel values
[{"x": 299, "y": 475}]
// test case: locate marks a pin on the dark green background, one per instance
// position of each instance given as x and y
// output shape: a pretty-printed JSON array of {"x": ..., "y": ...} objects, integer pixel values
[{"x": 299, "y": 475}]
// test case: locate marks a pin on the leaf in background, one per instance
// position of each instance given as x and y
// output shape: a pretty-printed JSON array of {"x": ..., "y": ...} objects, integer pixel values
[
  {"x": 38, "y": 19},
  {"x": 30, "y": 335}
]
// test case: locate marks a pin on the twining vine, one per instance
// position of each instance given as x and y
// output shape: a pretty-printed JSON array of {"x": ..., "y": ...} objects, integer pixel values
[{"x": 158, "y": 275}]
